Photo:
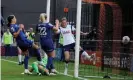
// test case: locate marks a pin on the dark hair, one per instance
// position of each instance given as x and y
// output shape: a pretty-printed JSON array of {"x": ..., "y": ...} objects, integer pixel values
[{"x": 9, "y": 19}]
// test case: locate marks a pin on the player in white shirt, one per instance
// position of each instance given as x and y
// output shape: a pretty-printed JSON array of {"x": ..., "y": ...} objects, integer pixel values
[{"x": 69, "y": 42}]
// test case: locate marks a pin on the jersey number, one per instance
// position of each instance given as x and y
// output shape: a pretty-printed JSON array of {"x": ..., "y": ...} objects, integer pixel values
[{"x": 42, "y": 31}]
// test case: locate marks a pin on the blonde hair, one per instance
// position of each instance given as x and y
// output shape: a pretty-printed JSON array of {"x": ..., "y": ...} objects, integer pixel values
[
  {"x": 64, "y": 18},
  {"x": 43, "y": 17}
]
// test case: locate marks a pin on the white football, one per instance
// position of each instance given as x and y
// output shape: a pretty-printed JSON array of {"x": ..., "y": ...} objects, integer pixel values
[{"x": 125, "y": 40}]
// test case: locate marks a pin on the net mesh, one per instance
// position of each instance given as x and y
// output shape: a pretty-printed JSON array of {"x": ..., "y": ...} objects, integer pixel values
[{"x": 103, "y": 20}]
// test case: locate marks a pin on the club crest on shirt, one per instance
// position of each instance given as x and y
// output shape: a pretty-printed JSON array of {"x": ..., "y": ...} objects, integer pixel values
[{"x": 12, "y": 29}]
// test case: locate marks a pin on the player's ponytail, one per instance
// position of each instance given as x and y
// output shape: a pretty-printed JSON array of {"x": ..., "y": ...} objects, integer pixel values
[
  {"x": 8, "y": 24},
  {"x": 9, "y": 19},
  {"x": 43, "y": 17}
]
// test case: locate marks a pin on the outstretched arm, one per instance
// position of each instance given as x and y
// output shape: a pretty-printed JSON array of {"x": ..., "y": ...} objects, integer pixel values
[{"x": 82, "y": 33}]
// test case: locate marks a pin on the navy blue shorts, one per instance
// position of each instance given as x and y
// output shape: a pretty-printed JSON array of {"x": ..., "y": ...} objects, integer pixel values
[
  {"x": 24, "y": 45},
  {"x": 68, "y": 47},
  {"x": 47, "y": 45}
]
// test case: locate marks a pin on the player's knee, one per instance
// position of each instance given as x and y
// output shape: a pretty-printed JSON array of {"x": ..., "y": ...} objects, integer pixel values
[
  {"x": 37, "y": 47},
  {"x": 40, "y": 67},
  {"x": 67, "y": 56},
  {"x": 25, "y": 53},
  {"x": 52, "y": 54}
]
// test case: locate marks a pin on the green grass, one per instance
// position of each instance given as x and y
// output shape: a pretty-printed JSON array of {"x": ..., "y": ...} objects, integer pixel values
[{"x": 12, "y": 71}]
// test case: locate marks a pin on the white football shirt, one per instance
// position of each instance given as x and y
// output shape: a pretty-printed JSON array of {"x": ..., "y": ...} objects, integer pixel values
[{"x": 68, "y": 37}]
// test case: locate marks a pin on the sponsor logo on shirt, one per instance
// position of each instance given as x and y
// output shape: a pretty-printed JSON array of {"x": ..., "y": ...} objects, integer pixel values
[{"x": 66, "y": 32}]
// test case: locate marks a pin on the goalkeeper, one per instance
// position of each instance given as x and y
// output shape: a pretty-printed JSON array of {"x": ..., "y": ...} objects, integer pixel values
[{"x": 40, "y": 69}]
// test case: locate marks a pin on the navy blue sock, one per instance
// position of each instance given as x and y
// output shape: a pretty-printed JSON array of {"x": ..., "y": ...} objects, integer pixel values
[
  {"x": 38, "y": 54},
  {"x": 26, "y": 62},
  {"x": 50, "y": 59},
  {"x": 52, "y": 65}
]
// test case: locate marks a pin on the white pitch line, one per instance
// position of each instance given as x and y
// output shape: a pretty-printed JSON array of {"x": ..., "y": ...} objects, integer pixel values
[
  {"x": 80, "y": 78},
  {"x": 102, "y": 77}
]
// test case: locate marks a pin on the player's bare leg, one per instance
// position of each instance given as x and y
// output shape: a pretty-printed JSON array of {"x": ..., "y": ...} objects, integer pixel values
[
  {"x": 38, "y": 53},
  {"x": 35, "y": 46},
  {"x": 86, "y": 56}
]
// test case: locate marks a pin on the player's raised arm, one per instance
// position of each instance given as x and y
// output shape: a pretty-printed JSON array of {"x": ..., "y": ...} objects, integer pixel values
[
  {"x": 56, "y": 25},
  {"x": 57, "y": 32}
]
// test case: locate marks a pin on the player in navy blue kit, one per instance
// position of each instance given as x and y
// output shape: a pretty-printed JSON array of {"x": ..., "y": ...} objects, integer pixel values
[
  {"x": 44, "y": 29},
  {"x": 23, "y": 43}
]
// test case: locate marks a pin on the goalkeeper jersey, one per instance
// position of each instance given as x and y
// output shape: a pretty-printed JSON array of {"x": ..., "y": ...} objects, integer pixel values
[{"x": 45, "y": 59}]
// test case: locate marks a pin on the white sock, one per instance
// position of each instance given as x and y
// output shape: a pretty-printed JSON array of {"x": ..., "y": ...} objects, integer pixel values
[
  {"x": 85, "y": 55},
  {"x": 26, "y": 70},
  {"x": 66, "y": 69},
  {"x": 66, "y": 65},
  {"x": 53, "y": 70},
  {"x": 19, "y": 57},
  {"x": 22, "y": 59}
]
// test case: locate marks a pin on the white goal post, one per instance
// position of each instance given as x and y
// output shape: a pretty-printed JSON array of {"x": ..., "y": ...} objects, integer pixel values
[
  {"x": 78, "y": 24},
  {"x": 48, "y": 10}
]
